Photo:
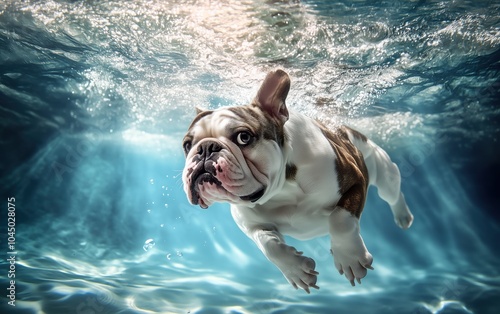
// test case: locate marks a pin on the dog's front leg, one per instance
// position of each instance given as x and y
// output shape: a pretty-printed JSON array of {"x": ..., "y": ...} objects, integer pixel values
[
  {"x": 297, "y": 268},
  {"x": 348, "y": 248}
]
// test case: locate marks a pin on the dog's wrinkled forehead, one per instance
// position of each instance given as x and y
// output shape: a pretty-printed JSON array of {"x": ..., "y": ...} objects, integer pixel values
[{"x": 224, "y": 122}]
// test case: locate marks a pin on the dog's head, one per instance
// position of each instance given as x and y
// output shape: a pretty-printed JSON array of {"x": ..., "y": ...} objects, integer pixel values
[{"x": 237, "y": 154}]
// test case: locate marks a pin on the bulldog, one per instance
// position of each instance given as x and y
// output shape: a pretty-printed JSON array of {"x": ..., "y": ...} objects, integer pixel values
[{"x": 287, "y": 174}]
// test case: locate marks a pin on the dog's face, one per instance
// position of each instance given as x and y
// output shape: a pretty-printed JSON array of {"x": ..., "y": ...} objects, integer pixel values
[{"x": 235, "y": 154}]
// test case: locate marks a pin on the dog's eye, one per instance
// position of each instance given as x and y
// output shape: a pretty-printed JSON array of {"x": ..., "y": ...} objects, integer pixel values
[
  {"x": 187, "y": 146},
  {"x": 244, "y": 138}
]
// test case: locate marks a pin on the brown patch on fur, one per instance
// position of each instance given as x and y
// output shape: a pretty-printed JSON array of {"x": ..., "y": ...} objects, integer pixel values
[
  {"x": 357, "y": 134},
  {"x": 290, "y": 172},
  {"x": 263, "y": 124},
  {"x": 200, "y": 115},
  {"x": 352, "y": 173}
]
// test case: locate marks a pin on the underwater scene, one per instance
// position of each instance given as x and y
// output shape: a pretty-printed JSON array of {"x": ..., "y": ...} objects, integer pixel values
[{"x": 95, "y": 99}]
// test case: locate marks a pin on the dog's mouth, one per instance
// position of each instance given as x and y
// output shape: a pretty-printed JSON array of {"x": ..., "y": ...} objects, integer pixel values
[{"x": 201, "y": 176}]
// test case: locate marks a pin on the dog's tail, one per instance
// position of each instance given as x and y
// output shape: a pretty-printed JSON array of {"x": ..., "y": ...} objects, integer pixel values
[{"x": 385, "y": 175}]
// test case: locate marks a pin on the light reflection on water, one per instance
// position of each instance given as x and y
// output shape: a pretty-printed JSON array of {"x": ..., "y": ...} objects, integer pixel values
[{"x": 97, "y": 96}]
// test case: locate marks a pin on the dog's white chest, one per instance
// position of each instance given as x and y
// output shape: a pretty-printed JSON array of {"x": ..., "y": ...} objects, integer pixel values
[{"x": 293, "y": 212}]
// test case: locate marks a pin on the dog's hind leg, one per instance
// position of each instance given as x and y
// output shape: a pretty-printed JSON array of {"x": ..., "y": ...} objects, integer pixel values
[{"x": 385, "y": 175}]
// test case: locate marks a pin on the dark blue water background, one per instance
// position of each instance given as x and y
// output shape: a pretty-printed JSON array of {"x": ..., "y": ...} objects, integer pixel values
[{"x": 96, "y": 95}]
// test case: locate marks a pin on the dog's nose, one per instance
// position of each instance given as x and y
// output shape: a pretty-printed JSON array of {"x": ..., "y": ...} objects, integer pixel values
[{"x": 207, "y": 148}]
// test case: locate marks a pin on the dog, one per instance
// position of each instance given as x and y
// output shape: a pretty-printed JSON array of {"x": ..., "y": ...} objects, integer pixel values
[{"x": 287, "y": 174}]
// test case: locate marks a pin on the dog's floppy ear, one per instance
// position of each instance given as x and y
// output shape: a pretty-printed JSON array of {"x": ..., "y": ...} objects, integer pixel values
[
  {"x": 199, "y": 110},
  {"x": 272, "y": 94}
]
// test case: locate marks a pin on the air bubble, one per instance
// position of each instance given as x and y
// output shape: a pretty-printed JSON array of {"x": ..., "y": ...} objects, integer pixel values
[
  {"x": 148, "y": 245},
  {"x": 169, "y": 256}
]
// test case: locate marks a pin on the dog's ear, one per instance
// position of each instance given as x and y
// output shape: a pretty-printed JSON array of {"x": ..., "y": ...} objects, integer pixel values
[
  {"x": 272, "y": 94},
  {"x": 199, "y": 110}
]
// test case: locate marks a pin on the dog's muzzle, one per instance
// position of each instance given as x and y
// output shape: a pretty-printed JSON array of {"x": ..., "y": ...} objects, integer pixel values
[{"x": 206, "y": 170}]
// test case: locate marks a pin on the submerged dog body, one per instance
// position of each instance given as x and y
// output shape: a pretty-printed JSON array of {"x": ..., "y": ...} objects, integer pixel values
[{"x": 286, "y": 174}]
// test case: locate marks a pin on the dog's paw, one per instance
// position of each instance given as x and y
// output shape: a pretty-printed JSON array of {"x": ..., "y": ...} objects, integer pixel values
[
  {"x": 404, "y": 219},
  {"x": 402, "y": 214},
  {"x": 352, "y": 263},
  {"x": 298, "y": 270}
]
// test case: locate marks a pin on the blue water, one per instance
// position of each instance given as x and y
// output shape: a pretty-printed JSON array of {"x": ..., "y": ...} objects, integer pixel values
[{"x": 95, "y": 97}]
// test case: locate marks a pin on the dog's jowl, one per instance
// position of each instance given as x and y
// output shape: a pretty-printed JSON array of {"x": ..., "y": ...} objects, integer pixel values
[{"x": 286, "y": 174}]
